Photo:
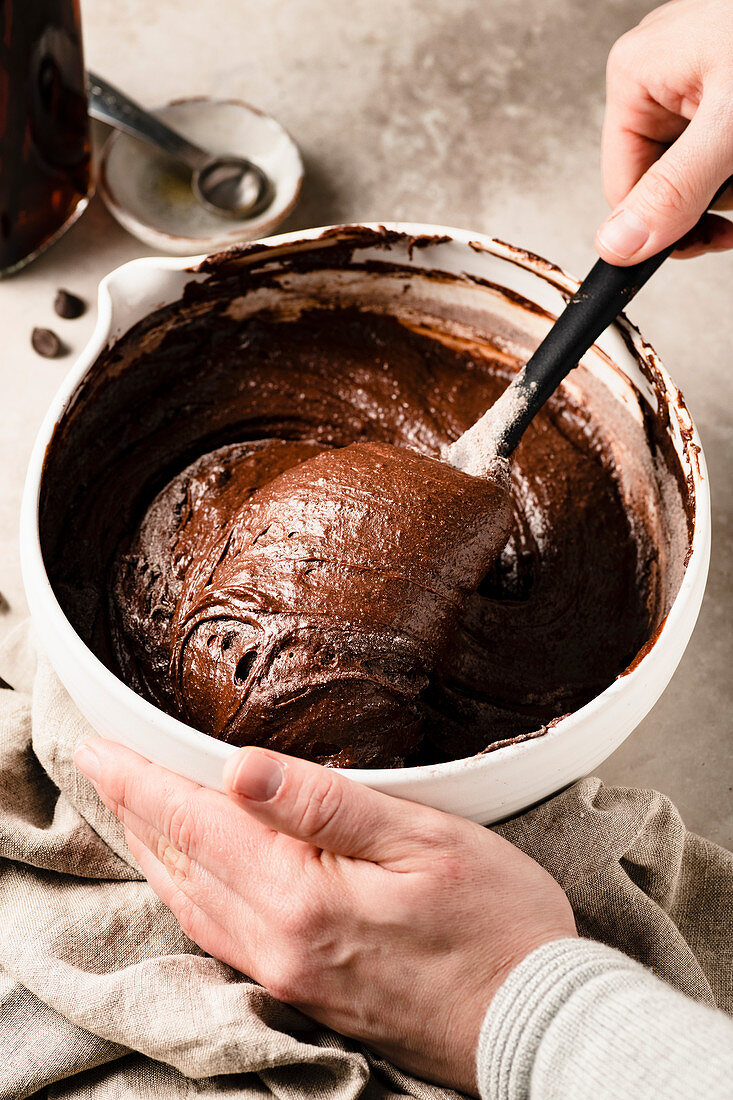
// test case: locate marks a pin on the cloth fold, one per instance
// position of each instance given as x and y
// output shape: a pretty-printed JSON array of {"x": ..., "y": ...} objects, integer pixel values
[{"x": 103, "y": 996}]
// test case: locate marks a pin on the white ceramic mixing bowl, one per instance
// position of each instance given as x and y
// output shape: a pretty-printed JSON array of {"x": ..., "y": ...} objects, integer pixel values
[{"x": 491, "y": 785}]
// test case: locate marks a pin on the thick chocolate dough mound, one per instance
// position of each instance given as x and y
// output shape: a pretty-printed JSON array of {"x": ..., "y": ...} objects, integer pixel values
[{"x": 307, "y": 612}]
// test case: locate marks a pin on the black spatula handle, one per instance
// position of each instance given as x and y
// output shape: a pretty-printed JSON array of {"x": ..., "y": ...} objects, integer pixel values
[{"x": 603, "y": 294}]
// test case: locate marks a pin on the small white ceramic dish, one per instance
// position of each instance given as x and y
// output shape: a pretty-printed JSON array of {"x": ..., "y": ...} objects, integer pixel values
[
  {"x": 157, "y": 204},
  {"x": 491, "y": 785}
]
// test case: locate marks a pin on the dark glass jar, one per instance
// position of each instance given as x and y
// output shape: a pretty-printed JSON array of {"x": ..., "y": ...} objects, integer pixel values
[{"x": 45, "y": 177}]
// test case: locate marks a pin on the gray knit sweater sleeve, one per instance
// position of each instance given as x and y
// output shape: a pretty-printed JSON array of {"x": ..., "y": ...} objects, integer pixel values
[{"x": 577, "y": 1020}]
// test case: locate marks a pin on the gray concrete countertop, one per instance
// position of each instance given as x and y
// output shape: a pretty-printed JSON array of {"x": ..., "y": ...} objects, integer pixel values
[{"x": 480, "y": 115}]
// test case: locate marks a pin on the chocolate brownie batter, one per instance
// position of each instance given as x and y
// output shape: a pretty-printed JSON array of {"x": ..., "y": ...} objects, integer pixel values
[
  {"x": 309, "y": 610},
  {"x": 247, "y": 554}
]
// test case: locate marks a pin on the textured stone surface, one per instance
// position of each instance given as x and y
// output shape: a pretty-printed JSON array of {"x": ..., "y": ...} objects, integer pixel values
[{"x": 485, "y": 116}]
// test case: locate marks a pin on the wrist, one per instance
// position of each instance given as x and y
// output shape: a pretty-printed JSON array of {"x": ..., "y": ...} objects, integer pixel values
[
  {"x": 525, "y": 1005},
  {"x": 469, "y": 1012}
]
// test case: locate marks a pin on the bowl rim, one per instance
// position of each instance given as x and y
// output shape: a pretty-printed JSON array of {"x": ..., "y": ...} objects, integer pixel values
[{"x": 42, "y": 599}]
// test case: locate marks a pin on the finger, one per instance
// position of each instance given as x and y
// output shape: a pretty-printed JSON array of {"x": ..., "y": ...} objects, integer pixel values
[
  {"x": 207, "y": 891},
  {"x": 636, "y": 132},
  {"x": 275, "y": 952},
  {"x": 672, "y": 194},
  {"x": 637, "y": 129},
  {"x": 325, "y": 809},
  {"x": 202, "y": 824},
  {"x": 625, "y": 157},
  {"x": 196, "y": 922}
]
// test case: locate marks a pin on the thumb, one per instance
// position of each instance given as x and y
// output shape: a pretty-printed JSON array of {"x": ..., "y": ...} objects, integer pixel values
[
  {"x": 321, "y": 807},
  {"x": 673, "y": 193}
]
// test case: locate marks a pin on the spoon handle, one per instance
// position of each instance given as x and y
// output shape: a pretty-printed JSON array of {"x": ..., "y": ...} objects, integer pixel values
[
  {"x": 599, "y": 299},
  {"x": 603, "y": 294},
  {"x": 110, "y": 105}
]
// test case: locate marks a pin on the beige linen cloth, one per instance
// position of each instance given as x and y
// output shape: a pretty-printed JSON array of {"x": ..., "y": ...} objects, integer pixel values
[{"x": 104, "y": 997}]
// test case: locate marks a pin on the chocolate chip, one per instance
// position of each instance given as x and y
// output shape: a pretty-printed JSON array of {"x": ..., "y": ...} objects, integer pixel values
[
  {"x": 67, "y": 305},
  {"x": 46, "y": 343},
  {"x": 4, "y": 605}
]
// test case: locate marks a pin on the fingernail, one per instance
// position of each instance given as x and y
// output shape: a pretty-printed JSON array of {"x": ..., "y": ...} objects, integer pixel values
[
  {"x": 87, "y": 762},
  {"x": 624, "y": 234},
  {"x": 258, "y": 776}
]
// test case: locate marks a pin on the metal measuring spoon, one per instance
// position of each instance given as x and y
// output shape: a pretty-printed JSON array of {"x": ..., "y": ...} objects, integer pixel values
[{"x": 230, "y": 186}]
